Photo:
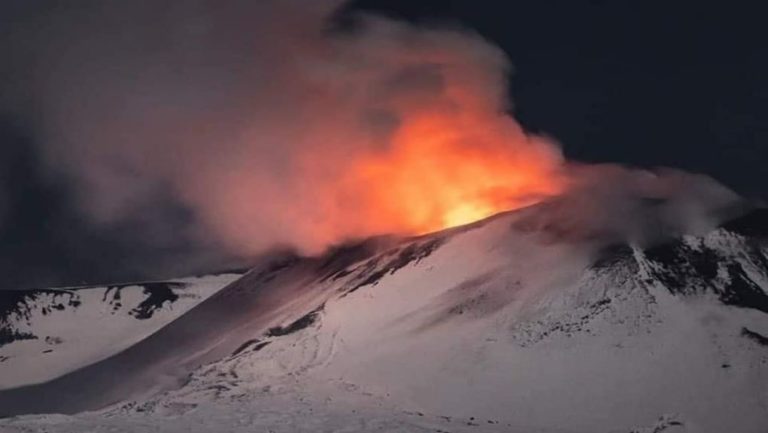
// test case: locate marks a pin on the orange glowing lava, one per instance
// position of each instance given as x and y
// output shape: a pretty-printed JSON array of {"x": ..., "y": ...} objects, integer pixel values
[{"x": 444, "y": 170}]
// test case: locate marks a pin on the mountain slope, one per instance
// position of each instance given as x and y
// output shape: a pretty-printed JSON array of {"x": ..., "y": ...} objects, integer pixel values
[
  {"x": 503, "y": 325},
  {"x": 50, "y": 332},
  {"x": 534, "y": 336}
]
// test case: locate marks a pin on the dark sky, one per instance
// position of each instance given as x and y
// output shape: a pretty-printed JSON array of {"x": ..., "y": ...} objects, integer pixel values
[{"x": 682, "y": 84}]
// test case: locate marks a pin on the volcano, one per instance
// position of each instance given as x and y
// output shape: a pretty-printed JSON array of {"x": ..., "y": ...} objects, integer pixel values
[{"x": 517, "y": 323}]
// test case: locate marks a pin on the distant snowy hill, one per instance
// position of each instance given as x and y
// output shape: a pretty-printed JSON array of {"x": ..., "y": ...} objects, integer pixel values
[
  {"x": 47, "y": 333},
  {"x": 506, "y": 325}
]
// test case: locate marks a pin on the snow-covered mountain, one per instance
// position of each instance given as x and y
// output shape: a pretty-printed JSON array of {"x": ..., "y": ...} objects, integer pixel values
[
  {"x": 47, "y": 333},
  {"x": 513, "y": 324}
]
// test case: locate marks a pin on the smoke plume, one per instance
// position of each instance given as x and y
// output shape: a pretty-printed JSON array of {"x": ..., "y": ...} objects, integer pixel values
[
  {"x": 277, "y": 124},
  {"x": 278, "y": 127}
]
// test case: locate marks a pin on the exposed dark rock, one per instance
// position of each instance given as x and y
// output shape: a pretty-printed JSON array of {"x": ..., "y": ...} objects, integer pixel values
[
  {"x": 255, "y": 345},
  {"x": 158, "y": 293},
  {"x": 687, "y": 271},
  {"x": 613, "y": 255},
  {"x": 339, "y": 260},
  {"x": 754, "y": 336},
  {"x": 10, "y": 335},
  {"x": 20, "y": 302},
  {"x": 303, "y": 322},
  {"x": 742, "y": 291},
  {"x": 375, "y": 269},
  {"x": 681, "y": 268}
]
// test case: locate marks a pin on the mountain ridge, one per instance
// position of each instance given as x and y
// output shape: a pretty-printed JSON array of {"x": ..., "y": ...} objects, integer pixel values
[{"x": 471, "y": 301}]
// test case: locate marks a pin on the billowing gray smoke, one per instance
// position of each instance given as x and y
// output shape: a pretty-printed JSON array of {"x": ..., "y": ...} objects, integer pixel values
[{"x": 274, "y": 126}]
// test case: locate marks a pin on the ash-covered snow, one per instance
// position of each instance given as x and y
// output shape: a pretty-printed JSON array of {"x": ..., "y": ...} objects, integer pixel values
[{"x": 489, "y": 327}]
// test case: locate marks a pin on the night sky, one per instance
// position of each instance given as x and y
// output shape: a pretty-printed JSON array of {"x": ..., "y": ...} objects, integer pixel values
[{"x": 681, "y": 85}]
